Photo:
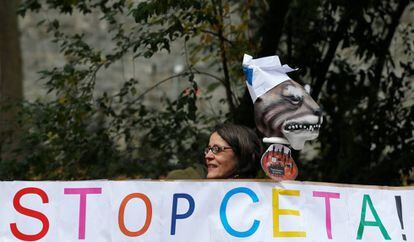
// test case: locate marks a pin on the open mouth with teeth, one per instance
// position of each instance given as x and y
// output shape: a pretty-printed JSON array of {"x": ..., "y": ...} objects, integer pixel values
[
  {"x": 298, "y": 131},
  {"x": 302, "y": 127}
]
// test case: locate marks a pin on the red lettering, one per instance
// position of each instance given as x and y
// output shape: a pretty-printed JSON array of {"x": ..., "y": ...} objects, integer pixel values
[{"x": 30, "y": 213}]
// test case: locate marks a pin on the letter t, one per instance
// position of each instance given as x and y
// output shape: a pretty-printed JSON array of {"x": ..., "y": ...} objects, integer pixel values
[
  {"x": 83, "y": 192},
  {"x": 327, "y": 196}
]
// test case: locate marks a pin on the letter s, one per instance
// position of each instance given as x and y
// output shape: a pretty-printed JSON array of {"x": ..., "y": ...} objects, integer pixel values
[{"x": 31, "y": 213}]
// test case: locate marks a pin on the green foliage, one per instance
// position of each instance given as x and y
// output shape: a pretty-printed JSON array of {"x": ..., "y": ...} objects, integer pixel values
[
  {"x": 346, "y": 51},
  {"x": 82, "y": 135}
]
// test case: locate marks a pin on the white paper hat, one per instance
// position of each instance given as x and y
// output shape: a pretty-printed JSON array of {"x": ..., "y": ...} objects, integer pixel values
[{"x": 263, "y": 74}]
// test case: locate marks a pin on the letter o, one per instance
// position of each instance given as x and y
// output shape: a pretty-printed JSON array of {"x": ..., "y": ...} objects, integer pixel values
[{"x": 121, "y": 213}]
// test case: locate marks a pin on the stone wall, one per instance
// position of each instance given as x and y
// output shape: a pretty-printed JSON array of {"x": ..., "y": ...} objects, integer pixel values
[{"x": 40, "y": 53}]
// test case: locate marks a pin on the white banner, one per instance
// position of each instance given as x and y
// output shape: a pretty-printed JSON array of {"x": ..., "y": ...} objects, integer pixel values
[{"x": 210, "y": 211}]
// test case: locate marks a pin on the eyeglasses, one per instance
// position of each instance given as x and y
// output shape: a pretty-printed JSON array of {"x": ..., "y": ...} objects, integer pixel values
[{"x": 215, "y": 149}]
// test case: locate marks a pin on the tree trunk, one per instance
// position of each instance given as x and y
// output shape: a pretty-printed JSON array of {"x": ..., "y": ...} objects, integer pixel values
[
  {"x": 10, "y": 69},
  {"x": 271, "y": 30},
  {"x": 272, "y": 27}
]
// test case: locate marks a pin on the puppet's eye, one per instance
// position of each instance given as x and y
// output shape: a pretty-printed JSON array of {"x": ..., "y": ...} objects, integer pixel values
[
  {"x": 293, "y": 94},
  {"x": 295, "y": 99}
]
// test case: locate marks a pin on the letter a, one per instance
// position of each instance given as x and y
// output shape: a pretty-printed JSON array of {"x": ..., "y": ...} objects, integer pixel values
[{"x": 362, "y": 223}]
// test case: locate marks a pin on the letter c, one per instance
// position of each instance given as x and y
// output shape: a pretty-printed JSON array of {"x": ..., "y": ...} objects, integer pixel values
[{"x": 223, "y": 216}]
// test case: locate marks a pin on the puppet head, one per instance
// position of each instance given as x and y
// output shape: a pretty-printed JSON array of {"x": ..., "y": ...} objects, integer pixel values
[{"x": 282, "y": 107}]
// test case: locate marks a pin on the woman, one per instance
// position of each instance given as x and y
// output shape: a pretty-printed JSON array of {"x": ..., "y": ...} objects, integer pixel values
[{"x": 233, "y": 152}]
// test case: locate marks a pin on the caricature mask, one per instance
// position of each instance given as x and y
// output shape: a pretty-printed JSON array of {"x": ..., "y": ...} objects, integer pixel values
[{"x": 282, "y": 107}]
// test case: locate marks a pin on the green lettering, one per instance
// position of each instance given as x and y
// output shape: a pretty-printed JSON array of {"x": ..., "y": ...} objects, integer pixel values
[{"x": 363, "y": 222}]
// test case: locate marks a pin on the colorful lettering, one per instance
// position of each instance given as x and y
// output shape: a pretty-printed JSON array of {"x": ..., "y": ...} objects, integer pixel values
[
  {"x": 174, "y": 215},
  {"x": 121, "y": 216},
  {"x": 82, "y": 192},
  {"x": 223, "y": 216},
  {"x": 377, "y": 223},
  {"x": 277, "y": 212},
  {"x": 327, "y": 196},
  {"x": 31, "y": 213}
]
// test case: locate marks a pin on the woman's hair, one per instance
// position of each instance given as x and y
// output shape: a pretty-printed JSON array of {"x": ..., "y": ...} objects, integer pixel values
[{"x": 246, "y": 146}]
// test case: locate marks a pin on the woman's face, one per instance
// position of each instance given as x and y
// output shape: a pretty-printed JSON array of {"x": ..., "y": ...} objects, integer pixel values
[{"x": 222, "y": 164}]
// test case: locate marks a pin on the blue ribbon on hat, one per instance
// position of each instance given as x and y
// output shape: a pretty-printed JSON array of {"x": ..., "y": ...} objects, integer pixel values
[{"x": 248, "y": 72}]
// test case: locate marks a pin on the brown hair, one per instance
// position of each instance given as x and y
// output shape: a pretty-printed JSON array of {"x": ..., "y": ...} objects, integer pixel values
[{"x": 246, "y": 146}]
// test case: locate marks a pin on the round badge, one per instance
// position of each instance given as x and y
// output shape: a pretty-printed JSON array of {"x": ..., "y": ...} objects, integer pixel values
[{"x": 278, "y": 163}]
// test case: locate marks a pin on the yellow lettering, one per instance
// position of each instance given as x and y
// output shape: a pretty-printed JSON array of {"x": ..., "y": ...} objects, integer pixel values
[{"x": 277, "y": 212}]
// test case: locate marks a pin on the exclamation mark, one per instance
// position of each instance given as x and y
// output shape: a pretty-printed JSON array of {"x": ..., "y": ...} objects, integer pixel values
[{"x": 399, "y": 211}]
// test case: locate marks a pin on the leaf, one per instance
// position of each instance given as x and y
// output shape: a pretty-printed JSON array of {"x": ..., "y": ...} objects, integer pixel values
[{"x": 213, "y": 86}]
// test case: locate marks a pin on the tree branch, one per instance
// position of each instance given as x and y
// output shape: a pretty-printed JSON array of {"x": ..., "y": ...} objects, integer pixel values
[
  {"x": 216, "y": 35},
  {"x": 223, "y": 55},
  {"x": 385, "y": 44},
  {"x": 330, "y": 54},
  {"x": 272, "y": 27}
]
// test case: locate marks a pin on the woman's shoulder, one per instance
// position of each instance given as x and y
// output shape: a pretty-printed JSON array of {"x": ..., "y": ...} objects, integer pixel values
[{"x": 196, "y": 171}]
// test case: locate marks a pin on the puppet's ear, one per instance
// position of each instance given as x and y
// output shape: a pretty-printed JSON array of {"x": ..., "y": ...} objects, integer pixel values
[{"x": 307, "y": 88}]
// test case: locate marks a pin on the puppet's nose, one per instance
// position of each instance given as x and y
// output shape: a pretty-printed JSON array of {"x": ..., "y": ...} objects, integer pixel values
[{"x": 318, "y": 112}]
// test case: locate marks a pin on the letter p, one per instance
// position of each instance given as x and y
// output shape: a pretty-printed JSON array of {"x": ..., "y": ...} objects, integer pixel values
[{"x": 174, "y": 215}]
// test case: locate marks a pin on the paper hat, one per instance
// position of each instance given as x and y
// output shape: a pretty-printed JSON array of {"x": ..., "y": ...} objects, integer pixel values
[{"x": 263, "y": 74}]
